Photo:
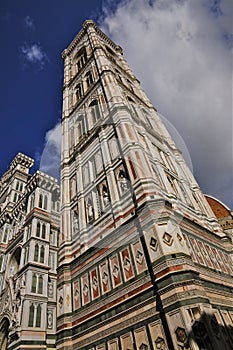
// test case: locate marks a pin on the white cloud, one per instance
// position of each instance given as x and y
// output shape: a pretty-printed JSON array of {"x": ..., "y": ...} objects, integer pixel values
[
  {"x": 28, "y": 22},
  {"x": 34, "y": 54},
  {"x": 182, "y": 52},
  {"x": 51, "y": 156}
]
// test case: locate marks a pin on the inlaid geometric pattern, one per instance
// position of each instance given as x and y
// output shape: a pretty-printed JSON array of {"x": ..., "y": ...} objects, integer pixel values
[
  {"x": 160, "y": 343},
  {"x": 115, "y": 271},
  {"x": 167, "y": 238},
  {"x": 127, "y": 264},
  {"x": 139, "y": 257},
  {"x": 105, "y": 278},
  {"x": 153, "y": 243},
  {"x": 180, "y": 334}
]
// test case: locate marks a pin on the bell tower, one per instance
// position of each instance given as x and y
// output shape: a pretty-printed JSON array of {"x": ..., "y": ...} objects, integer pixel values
[{"x": 134, "y": 222}]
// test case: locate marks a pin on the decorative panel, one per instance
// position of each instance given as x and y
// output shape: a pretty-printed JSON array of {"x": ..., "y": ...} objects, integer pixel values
[
  {"x": 196, "y": 250},
  {"x": 95, "y": 291},
  {"x": 115, "y": 270},
  {"x": 85, "y": 289},
  {"x": 113, "y": 345},
  {"x": 126, "y": 264},
  {"x": 126, "y": 342},
  {"x": 141, "y": 339},
  {"x": 139, "y": 258},
  {"x": 105, "y": 278},
  {"x": 76, "y": 295},
  {"x": 204, "y": 252}
]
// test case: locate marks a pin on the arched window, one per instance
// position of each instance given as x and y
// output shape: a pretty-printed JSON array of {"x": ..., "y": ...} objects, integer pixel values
[
  {"x": 79, "y": 91},
  {"x": 40, "y": 201},
  {"x": 31, "y": 315},
  {"x": 38, "y": 316},
  {"x": 38, "y": 229},
  {"x": 81, "y": 58},
  {"x": 95, "y": 111},
  {"x": 43, "y": 230},
  {"x": 32, "y": 201},
  {"x": 34, "y": 281},
  {"x": 89, "y": 79},
  {"x": 45, "y": 202},
  {"x": 36, "y": 252},
  {"x": 40, "y": 285},
  {"x": 42, "y": 254}
]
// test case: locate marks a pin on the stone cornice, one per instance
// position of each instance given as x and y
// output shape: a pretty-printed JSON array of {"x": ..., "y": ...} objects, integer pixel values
[{"x": 82, "y": 32}]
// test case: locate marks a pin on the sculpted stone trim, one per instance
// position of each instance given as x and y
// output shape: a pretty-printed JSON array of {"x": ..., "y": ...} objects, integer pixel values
[
  {"x": 184, "y": 296},
  {"x": 81, "y": 34},
  {"x": 174, "y": 262},
  {"x": 114, "y": 329}
]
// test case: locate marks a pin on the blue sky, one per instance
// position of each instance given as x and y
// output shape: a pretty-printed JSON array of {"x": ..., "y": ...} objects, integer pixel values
[{"x": 181, "y": 51}]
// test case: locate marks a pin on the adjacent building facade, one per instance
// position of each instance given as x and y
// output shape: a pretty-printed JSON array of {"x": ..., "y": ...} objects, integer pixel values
[
  {"x": 143, "y": 261},
  {"x": 29, "y": 227}
]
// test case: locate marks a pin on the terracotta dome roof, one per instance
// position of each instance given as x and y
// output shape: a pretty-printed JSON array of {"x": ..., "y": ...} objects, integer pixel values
[{"x": 220, "y": 210}]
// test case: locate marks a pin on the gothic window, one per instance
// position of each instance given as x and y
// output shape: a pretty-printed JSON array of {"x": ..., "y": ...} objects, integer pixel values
[
  {"x": 40, "y": 230},
  {"x": 31, "y": 315},
  {"x": 79, "y": 91},
  {"x": 89, "y": 79},
  {"x": 34, "y": 282},
  {"x": 37, "y": 284},
  {"x": 38, "y": 225},
  {"x": 15, "y": 197},
  {"x": 95, "y": 111},
  {"x": 40, "y": 284},
  {"x": 43, "y": 231},
  {"x": 81, "y": 58},
  {"x": 36, "y": 252},
  {"x": 39, "y": 253},
  {"x": 40, "y": 201},
  {"x": 42, "y": 251},
  {"x": 32, "y": 200},
  {"x": 38, "y": 315},
  {"x": 43, "y": 201},
  {"x": 34, "y": 315}
]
